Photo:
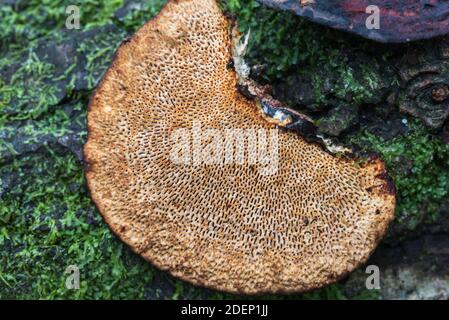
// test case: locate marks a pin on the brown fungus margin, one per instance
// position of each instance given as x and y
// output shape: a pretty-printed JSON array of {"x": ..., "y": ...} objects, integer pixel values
[{"x": 227, "y": 227}]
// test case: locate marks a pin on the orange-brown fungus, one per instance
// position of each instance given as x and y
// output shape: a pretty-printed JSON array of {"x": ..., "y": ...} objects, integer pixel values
[{"x": 227, "y": 226}]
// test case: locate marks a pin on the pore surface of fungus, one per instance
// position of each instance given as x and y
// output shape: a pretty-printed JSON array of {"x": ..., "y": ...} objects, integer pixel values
[{"x": 225, "y": 222}]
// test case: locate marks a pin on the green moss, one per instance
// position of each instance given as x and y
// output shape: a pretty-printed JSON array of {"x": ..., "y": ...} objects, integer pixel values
[
  {"x": 281, "y": 41},
  {"x": 136, "y": 18},
  {"x": 47, "y": 222},
  {"x": 371, "y": 78},
  {"x": 33, "y": 19},
  {"x": 287, "y": 45},
  {"x": 99, "y": 52},
  {"x": 350, "y": 85},
  {"x": 419, "y": 165},
  {"x": 29, "y": 85},
  {"x": 36, "y": 89}
]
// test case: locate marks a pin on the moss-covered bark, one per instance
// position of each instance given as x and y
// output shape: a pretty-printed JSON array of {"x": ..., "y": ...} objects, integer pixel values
[{"x": 47, "y": 221}]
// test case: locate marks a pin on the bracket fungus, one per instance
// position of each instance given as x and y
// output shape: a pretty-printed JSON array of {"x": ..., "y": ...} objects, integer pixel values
[
  {"x": 380, "y": 20},
  {"x": 224, "y": 222}
]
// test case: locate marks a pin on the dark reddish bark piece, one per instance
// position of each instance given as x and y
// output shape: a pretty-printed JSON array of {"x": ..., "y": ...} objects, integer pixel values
[{"x": 400, "y": 20}]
